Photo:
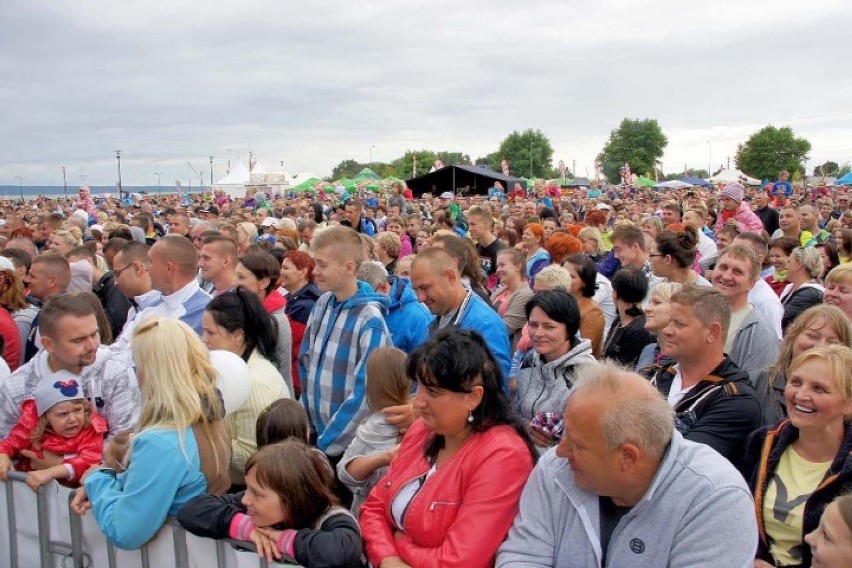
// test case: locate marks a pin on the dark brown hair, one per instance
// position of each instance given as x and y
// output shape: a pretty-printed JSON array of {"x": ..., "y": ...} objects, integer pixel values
[{"x": 300, "y": 476}]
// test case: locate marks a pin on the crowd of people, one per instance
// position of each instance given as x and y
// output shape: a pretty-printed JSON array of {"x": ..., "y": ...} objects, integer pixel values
[{"x": 605, "y": 376}]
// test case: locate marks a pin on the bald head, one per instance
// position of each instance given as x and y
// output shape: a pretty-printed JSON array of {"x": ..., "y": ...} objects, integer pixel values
[{"x": 631, "y": 410}]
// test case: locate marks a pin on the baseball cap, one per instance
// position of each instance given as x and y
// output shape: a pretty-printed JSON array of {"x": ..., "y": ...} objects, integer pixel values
[
  {"x": 212, "y": 209},
  {"x": 447, "y": 195},
  {"x": 269, "y": 222}
]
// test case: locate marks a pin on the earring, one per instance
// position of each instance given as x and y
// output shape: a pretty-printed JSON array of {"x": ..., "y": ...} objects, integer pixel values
[{"x": 470, "y": 417}]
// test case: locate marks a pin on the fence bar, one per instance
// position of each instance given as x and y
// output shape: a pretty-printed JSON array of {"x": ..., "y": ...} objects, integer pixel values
[
  {"x": 144, "y": 553},
  {"x": 10, "y": 514},
  {"x": 43, "y": 528},
  {"x": 76, "y": 526},
  {"x": 179, "y": 537},
  {"x": 111, "y": 555},
  {"x": 220, "y": 554}
]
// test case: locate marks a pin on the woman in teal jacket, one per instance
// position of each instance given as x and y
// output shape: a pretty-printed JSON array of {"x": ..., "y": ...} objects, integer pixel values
[{"x": 163, "y": 469}]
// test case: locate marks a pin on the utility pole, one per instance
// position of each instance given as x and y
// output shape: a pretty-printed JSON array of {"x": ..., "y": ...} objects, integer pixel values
[
  {"x": 120, "y": 187},
  {"x": 531, "y": 174},
  {"x": 159, "y": 189},
  {"x": 709, "y": 159},
  {"x": 64, "y": 183},
  {"x": 211, "y": 172}
]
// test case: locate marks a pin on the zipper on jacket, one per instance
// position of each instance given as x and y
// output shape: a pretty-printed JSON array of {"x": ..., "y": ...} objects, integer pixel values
[{"x": 443, "y": 504}]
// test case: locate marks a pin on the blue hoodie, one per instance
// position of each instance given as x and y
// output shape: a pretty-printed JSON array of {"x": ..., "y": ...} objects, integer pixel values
[
  {"x": 338, "y": 340},
  {"x": 408, "y": 320}
]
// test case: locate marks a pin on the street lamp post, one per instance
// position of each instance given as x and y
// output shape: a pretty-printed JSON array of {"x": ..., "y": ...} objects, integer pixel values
[
  {"x": 120, "y": 187},
  {"x": 211, "y": 172},
  {"x": 709, "y": 158},
  {"x": 531, "y": 160},
  {"x": 64, "y": 183},
  {"x": 159, "y": 189},
  {"x": 371, "y": 153}
]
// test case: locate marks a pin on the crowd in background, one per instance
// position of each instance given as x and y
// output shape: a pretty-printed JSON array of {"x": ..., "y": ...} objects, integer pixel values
[{"x": 532, "y": 377}]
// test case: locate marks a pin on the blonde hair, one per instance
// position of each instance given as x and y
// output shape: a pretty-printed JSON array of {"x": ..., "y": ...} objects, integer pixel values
[
  {"x": 555, "y": 277},
  {"x": 387, "y": 383},
  {"x": 70, "y": 237},
  {"x": 178, "y": 379},
  {"x": 838, "y": 358},
  {"x": 664, "y": 291},
  {"x": 841, "y": 274},
  {"x": 592, "y": 233},
  {"x": 346, "y": 244}
]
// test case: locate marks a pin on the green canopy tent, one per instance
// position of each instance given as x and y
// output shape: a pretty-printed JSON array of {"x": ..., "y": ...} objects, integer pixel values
[
  {"x": 346, "y": 182},
  {"x": 361, "y": 178},
  {"x": 374, "y": 187},
  {"x": 368, "y": 173},
  {"x": 306, "y": 185},
  {"x": 645, "y": 182}
]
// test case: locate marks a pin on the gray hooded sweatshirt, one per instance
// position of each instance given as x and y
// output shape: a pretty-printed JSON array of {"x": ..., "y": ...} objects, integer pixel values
[
  {"x": 697, "y": 512},
  {"x": 545, "y": 386}
]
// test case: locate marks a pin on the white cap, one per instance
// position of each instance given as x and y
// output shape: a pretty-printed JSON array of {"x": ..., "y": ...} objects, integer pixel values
[
  {"x": 604, "y": 206},
  {"x": 269, "y": 222},
  {"x": 447, "y": 195},
  {"x": 6, "y": 264}
]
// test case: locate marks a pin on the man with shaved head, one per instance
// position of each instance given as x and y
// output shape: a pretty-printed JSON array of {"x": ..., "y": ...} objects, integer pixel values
[
  {"x": 217, "y": 260},
  {"x": 624, "y": 488},
  {"x": 172, "y": 266},
  {"x": 436, "y": 281}
]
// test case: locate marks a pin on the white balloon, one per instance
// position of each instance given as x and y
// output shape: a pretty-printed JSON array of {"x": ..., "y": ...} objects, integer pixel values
[{"x": 233, "y": 379}]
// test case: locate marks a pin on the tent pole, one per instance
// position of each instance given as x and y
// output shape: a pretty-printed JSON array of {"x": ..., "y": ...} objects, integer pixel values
[{"x": 454, "y": 181}]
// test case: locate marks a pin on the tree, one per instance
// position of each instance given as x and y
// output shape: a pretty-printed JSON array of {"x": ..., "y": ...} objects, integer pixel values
[
  {"x": 844, "y": 169},
  {"x": 347, "y": 169},
  {"x": 525, "y": 151},
  {"x": 827, "y": 169},
  {"x": 640, "y": 143},
  {"x": 770, "y": 150},
  {"x": 403, "y": 167},
  {"x": 690, "y": 172},
  {"x": 450, "y": 158}
]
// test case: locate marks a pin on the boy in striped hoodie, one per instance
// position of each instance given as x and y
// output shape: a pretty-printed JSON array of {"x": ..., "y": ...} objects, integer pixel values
[{"x": 346, "y": 324}]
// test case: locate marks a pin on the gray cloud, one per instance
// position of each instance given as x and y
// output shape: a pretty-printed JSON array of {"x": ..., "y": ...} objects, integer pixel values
[{"x": 171, "y": 82}]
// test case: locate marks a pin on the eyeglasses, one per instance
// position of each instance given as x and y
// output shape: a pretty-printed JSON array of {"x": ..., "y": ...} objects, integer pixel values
[
  {"x": 118, "y": 272},
  {"x": 653, "y": 255}
]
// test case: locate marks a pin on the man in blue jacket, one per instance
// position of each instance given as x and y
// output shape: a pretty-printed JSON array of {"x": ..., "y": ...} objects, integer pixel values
[{"x": 437, "y": 283}]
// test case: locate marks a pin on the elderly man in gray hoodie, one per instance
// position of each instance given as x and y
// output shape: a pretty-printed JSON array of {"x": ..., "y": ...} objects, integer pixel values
[{"x": 623, "y": 488}]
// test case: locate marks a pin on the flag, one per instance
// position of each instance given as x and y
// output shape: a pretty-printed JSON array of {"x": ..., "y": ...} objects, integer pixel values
[
  {"x": 505, "y": 165},
  {"x": 562, "y": 169}
]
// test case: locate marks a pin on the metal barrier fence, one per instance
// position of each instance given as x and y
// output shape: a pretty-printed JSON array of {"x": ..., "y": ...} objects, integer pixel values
[{"x": 43, "y": 532}]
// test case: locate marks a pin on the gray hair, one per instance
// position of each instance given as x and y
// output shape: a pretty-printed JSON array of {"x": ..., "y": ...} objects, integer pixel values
[
  {"x": 373, "y": 273},
  {"x": 811, "y": 260},
  {"x": 555, "y": 277},
  {"x": 645, "y": 421},
  {"x": 664, "y": 291}
]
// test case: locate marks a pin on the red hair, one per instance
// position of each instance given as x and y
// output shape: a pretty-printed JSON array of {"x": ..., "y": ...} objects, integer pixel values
[
  {"x": 537, "y": 230},
  {"x": 595, "y": 218},
  {"x": 561, "y": 244},
  {"x": 302, "y": 260}
]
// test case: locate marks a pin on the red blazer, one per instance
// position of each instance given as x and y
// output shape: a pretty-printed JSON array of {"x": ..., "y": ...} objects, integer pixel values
[
  {"x": 10, "y": 333},
  {"x": 81, "y": 452},
  {"x": 464, "y": 510}
]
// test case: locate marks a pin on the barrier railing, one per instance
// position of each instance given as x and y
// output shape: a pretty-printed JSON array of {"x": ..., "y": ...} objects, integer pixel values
[{"x": 43, "y": 531}]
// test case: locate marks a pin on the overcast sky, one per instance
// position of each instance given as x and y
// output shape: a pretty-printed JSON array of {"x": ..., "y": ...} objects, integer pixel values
[{"x": 314, "y": 83}]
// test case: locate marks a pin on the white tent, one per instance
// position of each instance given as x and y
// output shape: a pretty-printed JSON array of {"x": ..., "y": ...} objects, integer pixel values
[
  {"x": 730, "y": 176},
  {"x": 234, "y": 184},
  {"x": 673, "y": 184}
]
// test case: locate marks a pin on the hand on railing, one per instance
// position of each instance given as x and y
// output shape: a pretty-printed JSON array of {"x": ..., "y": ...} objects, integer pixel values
[
  {"x": 5, "y": 467},
  {"x": 80, "y": 503}
]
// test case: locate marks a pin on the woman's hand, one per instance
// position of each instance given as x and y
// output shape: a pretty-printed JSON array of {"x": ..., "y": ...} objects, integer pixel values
[
  {"x": 80, "y": 503},
  {"x": 401, "y": 416},
  {"x": 540, "y": 439},
  {"x": 48, "y": 460},
  {"x": 266, "y": 541}
]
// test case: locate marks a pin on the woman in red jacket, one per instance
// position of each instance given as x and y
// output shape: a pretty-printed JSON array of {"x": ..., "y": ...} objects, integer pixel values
[{"x": 452, "y": 492}]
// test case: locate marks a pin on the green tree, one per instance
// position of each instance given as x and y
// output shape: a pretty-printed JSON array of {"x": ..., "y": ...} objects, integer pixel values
[
  {"x": 347, "y": 169},
  {"x": 527, "y": 150},
  {"x": 770, "y": 150},
  {"x": 403, "y": 167},
  {"x": 844, "y": 169},
  {"x": 827, "y": 169},
  {"x": 450, "y": 158},
  {"x": 640, "y": 143}
]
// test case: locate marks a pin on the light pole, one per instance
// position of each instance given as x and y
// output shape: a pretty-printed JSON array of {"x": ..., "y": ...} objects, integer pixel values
[
  {"x": 118, "y": 160},
  {"x": 371, "y": 153},
  {"x": 229, "y": 161},
  {"x": 709, "y": 158},
  {"x": 64, "y": 183},
  {"x": 211, "y": 171},
  {"x": 159, "y": 189},
  {"x": 531, "y": 174},
  {"x": 20, "y": 185}
]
